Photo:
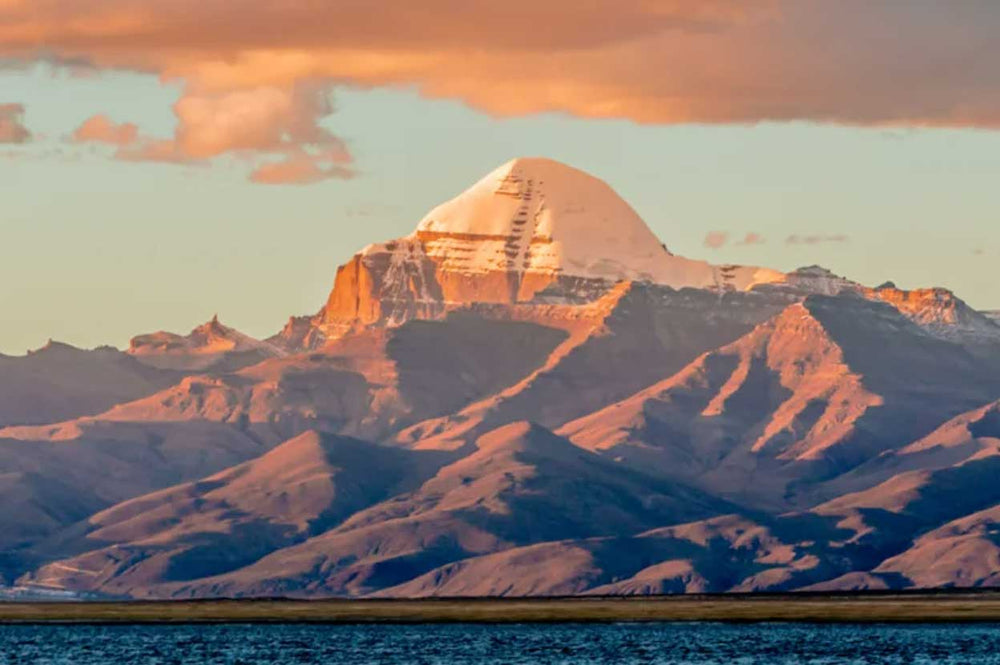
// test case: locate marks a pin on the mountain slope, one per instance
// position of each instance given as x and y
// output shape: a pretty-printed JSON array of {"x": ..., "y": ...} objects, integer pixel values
[
  {"x": 51, "y": 483},
  {"x": 518, "y": 485},
  {"x": 962, "y": 553},
  {"x": 622, "y": 342},
  {"x": 816, "y": 391},
  {"x": 59, "y": 382},
  {"x": 365, "y": 384},
  {"x": 933, "y": 522},
  {"x": 726, "y": 553},
  {"x": 229, "y": 520}
]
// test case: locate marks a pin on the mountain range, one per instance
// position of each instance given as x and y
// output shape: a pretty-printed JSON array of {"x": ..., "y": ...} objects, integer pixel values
[{"x": 530, "y": 394}]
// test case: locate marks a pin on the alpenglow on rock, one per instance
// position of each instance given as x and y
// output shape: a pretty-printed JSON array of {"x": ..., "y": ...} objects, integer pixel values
[{"x": 529, "y": 225}]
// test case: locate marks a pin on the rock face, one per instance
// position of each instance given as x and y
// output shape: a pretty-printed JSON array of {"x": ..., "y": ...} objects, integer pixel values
[
  {"x": 530, "y": 394},
  {"x": 940, "y": 312},
  {"x": 300, "y": 333}
]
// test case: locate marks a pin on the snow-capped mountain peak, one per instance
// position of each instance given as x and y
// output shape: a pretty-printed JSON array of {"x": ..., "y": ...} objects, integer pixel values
[
  {"x": 537, "y": 216},
  {"x": 529, "y": 226}
]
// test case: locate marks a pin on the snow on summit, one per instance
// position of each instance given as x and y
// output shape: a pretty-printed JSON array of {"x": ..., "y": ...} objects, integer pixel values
[
  {"x": 544, "y": 216},
  {"x": 532, "y": 226},
  {"x": 537, "y": 215}
]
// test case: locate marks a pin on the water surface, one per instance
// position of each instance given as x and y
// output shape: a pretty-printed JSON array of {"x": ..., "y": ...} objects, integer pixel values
[{"x": 458, "y": 644}]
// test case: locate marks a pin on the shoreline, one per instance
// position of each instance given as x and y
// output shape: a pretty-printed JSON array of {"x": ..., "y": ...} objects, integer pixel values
[{"x": 880, "y": 607}]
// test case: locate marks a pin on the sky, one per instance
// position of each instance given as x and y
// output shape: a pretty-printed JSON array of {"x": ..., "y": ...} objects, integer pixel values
[{"x": 162, "y": 162}]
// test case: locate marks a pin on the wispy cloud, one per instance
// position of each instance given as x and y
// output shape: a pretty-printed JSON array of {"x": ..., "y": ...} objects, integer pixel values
[
  {"x": 302, "y": 169},
  {"x": 796, "y": 239},
  {"x": 719, "y": 239},
  {"x": 716, "y": 239},
  {"x": 752, "y": 238},
  {"x": 12, "y": 129}
]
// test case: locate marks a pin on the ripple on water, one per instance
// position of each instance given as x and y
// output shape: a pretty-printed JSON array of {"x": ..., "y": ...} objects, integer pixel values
[{"x": 690, "y": 644}]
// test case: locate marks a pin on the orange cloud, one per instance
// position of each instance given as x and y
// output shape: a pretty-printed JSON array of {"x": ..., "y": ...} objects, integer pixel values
[
  {"x": 253, "y": 71},
  {"x": 131, "y": 145},
  {"x": 148, "y": 149},
  {"x": 101, "y": 129},
  {"x": 12, "y": 129},
  {"x": 656, "y": 61},
  {"x": 224, "y": 26},
  {"x": 301, "y": 169},
  {"x": 267, "y": 119},
  {"x": 264, "y": 121},
  {"x": 716, "y": 239},
  {"x": 752, "y": 238},
  {"x": 719, "y": 239}
]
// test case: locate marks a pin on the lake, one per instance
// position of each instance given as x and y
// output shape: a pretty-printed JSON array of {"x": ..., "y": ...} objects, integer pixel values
[{"x": 457, "y": 644}]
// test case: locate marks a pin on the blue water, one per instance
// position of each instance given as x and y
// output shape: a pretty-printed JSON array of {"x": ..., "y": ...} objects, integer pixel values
[{"x": 459, "y": 644}]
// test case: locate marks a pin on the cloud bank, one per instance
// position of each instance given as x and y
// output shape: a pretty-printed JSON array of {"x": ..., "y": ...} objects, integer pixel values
[{"x": 244, "y": 65}]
